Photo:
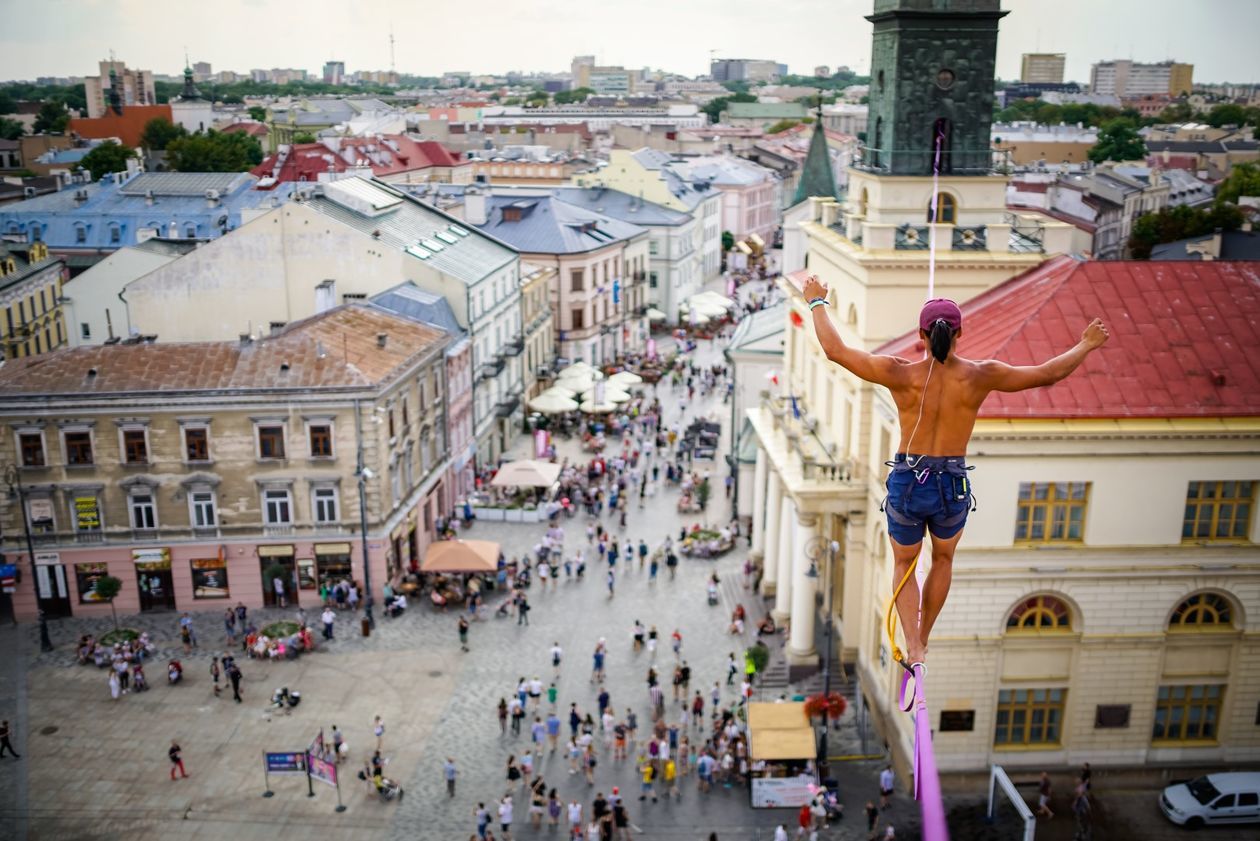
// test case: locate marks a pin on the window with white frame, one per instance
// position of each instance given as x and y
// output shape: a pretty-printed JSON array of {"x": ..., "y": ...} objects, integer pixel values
[
  {"x": 324, "y": 500},
  {"x": 143, "y": 509},
  {"x": 277, "y": 507},
  {"x": 201, "y": 504}
]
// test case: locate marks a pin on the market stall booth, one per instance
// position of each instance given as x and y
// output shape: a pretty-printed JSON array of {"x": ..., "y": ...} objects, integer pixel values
[{"x": 783, "y": 750}]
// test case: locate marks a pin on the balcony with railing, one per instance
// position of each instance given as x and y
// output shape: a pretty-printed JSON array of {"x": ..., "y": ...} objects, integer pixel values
[
  {"x": 515, "y": 347},
  {"x": 984, "y": 161},
  {"x": 1027, "y": 235},
  {"x": 819, "y": 461}
]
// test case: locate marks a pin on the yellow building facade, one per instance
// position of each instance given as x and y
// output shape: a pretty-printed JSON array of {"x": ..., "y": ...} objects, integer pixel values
[{"x": 31, "y": 316}]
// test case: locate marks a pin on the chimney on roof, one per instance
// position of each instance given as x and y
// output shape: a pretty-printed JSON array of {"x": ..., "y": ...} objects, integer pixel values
[
  {"x": 148, "y": 198},
  {"x": 382, "y": 339},
  {"x": 246, "y": 340}
]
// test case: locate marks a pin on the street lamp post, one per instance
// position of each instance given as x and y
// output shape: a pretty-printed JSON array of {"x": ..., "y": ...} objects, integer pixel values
[
  {"x": 362, "y": 473},
  {"x": 13, "y": 478},
  {"x": 816, "y": 549}
]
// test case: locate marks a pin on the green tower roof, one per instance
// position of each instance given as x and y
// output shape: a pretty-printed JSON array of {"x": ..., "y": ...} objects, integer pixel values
[{"x": 817, "y": 179}]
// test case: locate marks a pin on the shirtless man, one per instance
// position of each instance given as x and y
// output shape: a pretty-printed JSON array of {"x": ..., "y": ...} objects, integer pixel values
[{"x": 937, "y": 400}]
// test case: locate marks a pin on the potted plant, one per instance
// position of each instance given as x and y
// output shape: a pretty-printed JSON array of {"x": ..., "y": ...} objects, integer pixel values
[
  {"x": 826, "y": 706},
  {"x": 107, "y": 589}
]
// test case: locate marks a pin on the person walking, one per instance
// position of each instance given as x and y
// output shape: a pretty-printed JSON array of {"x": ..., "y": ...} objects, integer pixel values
[
  {"x": 328, "y": 617},
  {"x": 185, "y": 621},
  {"x": 482, "y": 816},
  {"x": 6, "y": 732},
  {"x": 612, "y": 584},
  {"x": 177, "y": 760},
  {"x": 1044, "y": 792},
  {"x": 449, "y": 772},
  {"x": 215, "y": 674},
  {"x": 886, "y": 782},
  {"x": 503, "y": 716},
  {"x": 378, "y": 730},
  {"x": 229, "y": 626},
  {"x": 872, "y": 819},
  {"x": 505, "y": 817},
  {"x": 337, "y": 742},
  {"x": 463, "y": 633},
  {"x": 234, "y": 675},
  {"x": 731, "y": 669},
  {"x": 277, "y": 585}
]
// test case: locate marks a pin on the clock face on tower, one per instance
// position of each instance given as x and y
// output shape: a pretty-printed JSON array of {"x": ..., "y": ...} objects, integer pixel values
[{"x": 945, "y": 78}]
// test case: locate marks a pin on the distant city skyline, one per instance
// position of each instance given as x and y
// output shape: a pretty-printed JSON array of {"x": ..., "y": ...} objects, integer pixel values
[{"x": 69, "y": 37}]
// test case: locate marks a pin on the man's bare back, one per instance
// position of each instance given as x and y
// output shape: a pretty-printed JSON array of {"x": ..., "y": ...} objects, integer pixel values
[{"x": 949, "y": 404}]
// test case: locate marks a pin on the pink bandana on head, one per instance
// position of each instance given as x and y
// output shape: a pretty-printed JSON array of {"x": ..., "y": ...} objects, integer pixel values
[{"x": 940, "y": 308}]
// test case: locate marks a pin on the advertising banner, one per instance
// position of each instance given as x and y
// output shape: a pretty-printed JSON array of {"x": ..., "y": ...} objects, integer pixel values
[
  {"x": 285, "y": 763},
  {"x": 782, "y": 792},
  {"x": 325, "y": 772}
]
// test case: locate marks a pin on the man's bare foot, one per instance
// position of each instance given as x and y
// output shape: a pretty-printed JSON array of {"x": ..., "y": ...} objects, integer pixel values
[{"x": 916, "y": 653}]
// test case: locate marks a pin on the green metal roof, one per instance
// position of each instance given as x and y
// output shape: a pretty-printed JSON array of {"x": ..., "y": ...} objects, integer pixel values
[
  {"x": 765, "y": 110},
  {"x": 816, "y": 176}
]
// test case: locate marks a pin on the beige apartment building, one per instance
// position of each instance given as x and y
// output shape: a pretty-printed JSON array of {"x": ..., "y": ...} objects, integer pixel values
[
  {"x": 190, "y": 471},
  {"x": 1042, "y": 68},
  {"x": 116, "y": 80},
  {"x": 537, "y": 325}
]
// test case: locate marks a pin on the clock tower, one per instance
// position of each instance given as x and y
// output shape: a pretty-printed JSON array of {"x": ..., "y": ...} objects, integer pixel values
[{"x": 932, "y": 64}]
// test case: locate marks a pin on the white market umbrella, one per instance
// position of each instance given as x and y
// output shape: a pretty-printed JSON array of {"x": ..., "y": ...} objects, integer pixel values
[
  {"x": 610, "y": 395},
  {"x": 654, "y": 314},
  {"x": 578, "y": 382},
  {"x": 553, "y": 404},
  {"x": 529, "y": 473},
  {"x": 699, "y": 319},
  {"x": 621, "y": 379},
  {"x": 597, "y": 408},
  {"x": 579, "y": 367},
  {"x": 714, "y": 298},
  {"x": 703, "y": 307},
  {"x": 561, "y": 390}
]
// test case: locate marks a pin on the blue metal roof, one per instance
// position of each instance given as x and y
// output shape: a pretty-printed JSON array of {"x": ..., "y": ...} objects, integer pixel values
[
  {"x": 623, "y": 206},
  {"x": 101, "y": 208},
  {"x": 410, "y": 301}
]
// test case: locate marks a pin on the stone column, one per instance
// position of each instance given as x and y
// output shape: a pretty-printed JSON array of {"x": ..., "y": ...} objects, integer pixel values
[
  {"x": 801, "y": 643},
  {"x": 770, "y": 548},
  {"x": 759, "y": 505},
  {"x": 783, "y": 595}
]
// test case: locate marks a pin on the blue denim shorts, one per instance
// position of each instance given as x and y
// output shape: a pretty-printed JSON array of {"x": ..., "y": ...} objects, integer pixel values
[{"x": 933, "y": 495}]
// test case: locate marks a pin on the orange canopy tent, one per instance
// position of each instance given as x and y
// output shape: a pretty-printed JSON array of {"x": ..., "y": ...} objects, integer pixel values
[{"x": 461, "y": 556}]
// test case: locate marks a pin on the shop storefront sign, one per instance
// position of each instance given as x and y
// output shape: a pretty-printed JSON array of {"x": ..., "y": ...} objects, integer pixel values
[
  {"x": 332, "y": 548},
  {"x": 160, "y": 558},
  {"x": 45, "y": 558},
  {"x": 285, "y": 551}
]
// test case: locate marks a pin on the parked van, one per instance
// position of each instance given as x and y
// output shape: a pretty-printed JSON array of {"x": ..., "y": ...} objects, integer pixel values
[{"x": 1214, "y": 799}]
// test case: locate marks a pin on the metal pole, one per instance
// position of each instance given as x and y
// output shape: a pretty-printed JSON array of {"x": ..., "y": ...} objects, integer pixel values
[
  {"x": 13, "y": 477},
  {"x": 367, "y": 564},
  {"x": 267, "y": 792}
]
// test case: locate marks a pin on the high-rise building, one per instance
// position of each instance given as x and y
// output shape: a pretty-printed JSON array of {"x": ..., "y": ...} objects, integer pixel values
[
  {"x": 117, "y": 86},
  {"x": 1042, "y": 68},
  {"x": 581, "y": 69},
  {"x": 202, "y": 71},
  {"x": 746, "y": 70},
  {"x": 1129, "y": 79},
  {"x": 334, "y": 72}
]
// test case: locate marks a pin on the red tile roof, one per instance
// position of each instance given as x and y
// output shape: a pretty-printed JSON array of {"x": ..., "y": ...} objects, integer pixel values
[
  {"x": 1183, "y": 338},
  {"x": 254, "y": 129},
  {"x": 336, "y": 349},
  {"x": 127, "y": 126},
  {"x": 388, "y": 155}
]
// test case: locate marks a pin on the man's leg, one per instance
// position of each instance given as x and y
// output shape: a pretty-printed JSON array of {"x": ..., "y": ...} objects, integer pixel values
[
  {"x": 936, "y": 587},
  {"x": 908, "y": 599}
]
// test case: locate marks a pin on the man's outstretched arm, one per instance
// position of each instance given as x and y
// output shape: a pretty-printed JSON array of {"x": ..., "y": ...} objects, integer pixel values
[
  {"x": 998, "y": 376},
  {"x": 883, "y": 370}
]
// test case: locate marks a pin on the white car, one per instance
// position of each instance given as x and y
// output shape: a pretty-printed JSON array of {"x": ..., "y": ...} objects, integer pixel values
[{"x": 1232, "y": 798}]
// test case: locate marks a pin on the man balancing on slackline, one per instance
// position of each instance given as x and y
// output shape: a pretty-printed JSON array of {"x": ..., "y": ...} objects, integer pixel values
[{"x": 937, "y": 401}]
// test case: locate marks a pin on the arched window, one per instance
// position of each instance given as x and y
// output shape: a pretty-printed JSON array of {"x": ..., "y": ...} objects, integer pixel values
[
  {"x": 1200, "y": 611},
  {"x": 1040, "y": 614},
  {"x": 946, "y": 209},
  {"x": 852, "y": 315}
]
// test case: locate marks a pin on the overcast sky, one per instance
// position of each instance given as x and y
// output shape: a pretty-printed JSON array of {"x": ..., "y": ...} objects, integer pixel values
[{"x": 68, "y": 37}]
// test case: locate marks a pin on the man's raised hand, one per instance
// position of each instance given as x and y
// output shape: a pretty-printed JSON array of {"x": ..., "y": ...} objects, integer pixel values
[
  {"x": 814, "y": 288},
  {"x": 1095, "y": 334}
]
